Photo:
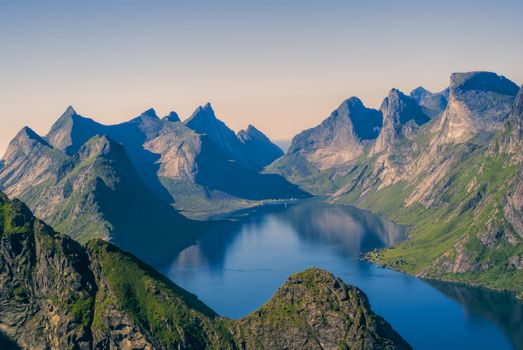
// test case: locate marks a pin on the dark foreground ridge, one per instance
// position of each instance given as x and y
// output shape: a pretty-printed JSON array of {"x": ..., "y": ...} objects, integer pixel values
[{"x": 57, "y": 294}]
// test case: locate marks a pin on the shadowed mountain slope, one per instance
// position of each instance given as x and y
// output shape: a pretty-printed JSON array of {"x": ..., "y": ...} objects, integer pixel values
[
  {"x": 58, "y": 294},
  {"x": 456, "y": 178}
]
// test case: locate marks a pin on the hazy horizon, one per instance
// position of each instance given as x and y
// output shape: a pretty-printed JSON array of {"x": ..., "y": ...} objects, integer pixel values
[{"x": 281, "y": 66}]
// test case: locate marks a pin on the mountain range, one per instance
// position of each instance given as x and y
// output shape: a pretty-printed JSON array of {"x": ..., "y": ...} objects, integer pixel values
[
  {"x": 448, "y": 164},
  {"x": 126, "y": 183},
  {"x": 57, "y": 294}
]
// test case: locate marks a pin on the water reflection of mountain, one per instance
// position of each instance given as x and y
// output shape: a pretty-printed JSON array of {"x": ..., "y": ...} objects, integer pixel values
[
  {"x": 350, "y": 230},
  {"x": 500, "y": 307}
]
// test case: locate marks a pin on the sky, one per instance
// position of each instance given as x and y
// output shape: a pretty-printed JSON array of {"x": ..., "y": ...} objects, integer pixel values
[{"x": 281, "y": 65}]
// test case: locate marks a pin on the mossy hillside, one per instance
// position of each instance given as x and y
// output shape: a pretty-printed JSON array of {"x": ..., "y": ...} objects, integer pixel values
[
  {"x": 298, "y": 171},
  {"x": 314, "y": 309},
  {"x": 15, "y": 217},
  {"x": 166, "y": 312},
  {"x": 469, "y": 202}
]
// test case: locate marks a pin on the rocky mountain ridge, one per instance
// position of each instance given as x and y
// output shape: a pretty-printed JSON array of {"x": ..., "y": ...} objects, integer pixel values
[
  {"x": 177, "y": 160},
  {"x": 455, "y": 178},
  {"x": 58, "y": 294},
  {"x": 340, "y": 138},
  {"x": 94, "y": 193},
  {"x": 84, "y": 178}
]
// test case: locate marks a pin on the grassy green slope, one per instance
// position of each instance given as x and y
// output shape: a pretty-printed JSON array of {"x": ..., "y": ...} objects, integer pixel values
[
  {"x": 464, "y": 235},
  {"x": 167, "y": 313}
]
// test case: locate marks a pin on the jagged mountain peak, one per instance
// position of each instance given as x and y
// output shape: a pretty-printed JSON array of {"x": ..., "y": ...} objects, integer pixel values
[
  {"x": 202, "y": 114},
  {"x": 102, "y": 146},
  {"x": 482, "y": 81},
  {"x": 478, "y": 102},
  {"x": 25, "y": 141},
  {"x": 353, "y": 102},
  {"x": 27, "y": 132},
  {"x": 147, "y": 114},
  {"x": 402, "y": 108},
  {"x": 71, "y": 130},
  {"x": 401, "y": 117},
  {"x": 432, "y": 103},
  {"x": 250, "y": 133},
  {"x": 364, "y": 121},
  {"x": 258, "y": 147},
  {"x": 69, "y": 111},
  {"x": 172, "y": 117},
  {"x": 69, "y": 115},
  {"x": 340, "y": 138},
  {"x": 419, "y": 92},
  {"x": 150, "y": 113}
]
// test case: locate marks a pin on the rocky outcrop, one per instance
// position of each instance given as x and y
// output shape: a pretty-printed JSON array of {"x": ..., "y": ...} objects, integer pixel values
[
  {"x": 94, "y": 193},
  {"x": 315, "y": 310},
  {"x": 204, "y": 121},
  {"x": 249, "y": 147},
  {"x": 401, "y": 117},
  {"x": 46, "y": 290},
  {"x": 258, "y": 146},
  {"x": 56, "y": 294},
  {"x": 432, "y": 104},
  {"x": 71, "y": 131},
  {"x": 203, "y": 171},
  {"x": 172, "y": 117},
  {"x": 511, "y": 142},
  {"x": 29, "y": 162},
  {"x": 340, "y": 138},
  {"x": 456, "y": 179},
  {"x": 478, "y": 102}
]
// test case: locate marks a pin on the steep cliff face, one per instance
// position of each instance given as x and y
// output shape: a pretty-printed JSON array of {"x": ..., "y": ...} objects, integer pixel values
[
  {"x": 200, "y": 167},
  {"x": 29, "y": 161},
  {"x": 204, "y": 121},
  {"x": 432, "y": 104},
  {"x": 56, "y": 294},
  {"x": 46, "y": 291},
  {"x": 456, "y": 179},
  {"x": 401, "y": 118},
  {"x": 340, "y": 138},
  {"x": 478, "y": 102},
  {"x": 136, "y": 307},
  {"x": 258, "y": 146},
  {"x": 249, "y": 147},
  {"x": 95, "y": 193},
  {"x": 71, "y": 131},
  {"x": 512, "y": 143}
]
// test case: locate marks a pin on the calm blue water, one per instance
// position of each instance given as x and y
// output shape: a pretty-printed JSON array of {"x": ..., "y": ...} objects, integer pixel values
[{"x": 236, "y": 268}]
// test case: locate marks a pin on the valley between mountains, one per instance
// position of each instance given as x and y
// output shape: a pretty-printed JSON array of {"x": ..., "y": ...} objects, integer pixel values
[{"x": 448, "y": 164}]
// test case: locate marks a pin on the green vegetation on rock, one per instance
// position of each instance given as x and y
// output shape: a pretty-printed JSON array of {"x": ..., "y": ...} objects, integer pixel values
[{"x": 58, "y": 294}]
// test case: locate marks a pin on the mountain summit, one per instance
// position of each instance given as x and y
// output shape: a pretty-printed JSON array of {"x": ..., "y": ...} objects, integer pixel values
[
  {"x": 258, "y": 146},
  {"x": 197, "y": 170},
  {"x": 478, "y": 102},
  {"x": 71, "y": 131},
  {"x": 432, "y": 104},
  {"x": 401, "y": 115},
  {"x": 56, "y": 293},
  {"x": 341, "y": 137}
]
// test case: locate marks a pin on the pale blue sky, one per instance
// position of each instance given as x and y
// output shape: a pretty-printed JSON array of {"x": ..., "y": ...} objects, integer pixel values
[{"x": 280, "y": 65}]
